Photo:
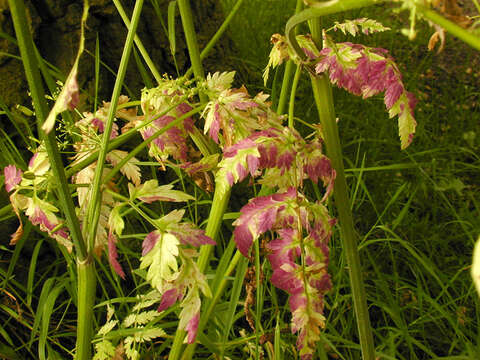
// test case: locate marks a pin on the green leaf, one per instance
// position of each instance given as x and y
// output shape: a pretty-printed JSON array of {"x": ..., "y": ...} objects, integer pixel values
[
  {"x": 141, "y": 318},
  {"x": 106, "y": 328},
  {"x": 150, "y": 191},
  {"x": 104, "y": 350},
  {"x": 173, "y": 217},
  {"x": 161, "y": 261},
  {"x": 115, "y": 220}
]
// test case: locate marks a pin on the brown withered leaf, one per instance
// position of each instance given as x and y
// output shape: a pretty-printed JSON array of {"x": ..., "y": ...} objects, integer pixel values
[
  {"x": 119, "y": 352},
  {"x": 452, "y": 11},
  {"x": 437, "y": 35},
  {"x": 17, "y": 234}
]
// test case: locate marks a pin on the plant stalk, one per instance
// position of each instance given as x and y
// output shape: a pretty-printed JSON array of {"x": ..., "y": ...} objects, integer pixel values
[
  {"x": 87, "y": 284},
  {"x": 191, "y": 38},
  {"x": 86, "y": 280},
  {"x": 27, "y": 51},
  {"x": 324, "y": 101},
  {"x": 220, "y": 199}
]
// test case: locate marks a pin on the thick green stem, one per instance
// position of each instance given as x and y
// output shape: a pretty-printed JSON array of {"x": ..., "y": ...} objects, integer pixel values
[
  {"x": 27, "y": 51},
  {"x": 93, "y": 213},
  {"x": 324, "y": 101},
  {"x": 322, "y": 92},
  {"x": 87, "y": 283}
]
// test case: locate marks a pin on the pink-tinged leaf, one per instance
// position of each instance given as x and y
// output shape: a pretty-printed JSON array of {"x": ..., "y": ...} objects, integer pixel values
[
  {"x": 113, "y": 255},
  {"x": 192, "y": 327},
  {"x": 259, "y": 216},
  {"x": 368, "y": 71},
  {"x": 169, "y": 298},
  {"x": 393, "y": 93},
  {"x": 182, "y": 109},
  {"x": 188, "y": 234},
  {"x": 286, "y": 279},
  {"x": 67, "y": 99},
  {"x": 150, "y": 241},
  {"x": 13, "y": 177},
  {"x": 282, "y": 251},
  {"x": 237, "y": 159}
]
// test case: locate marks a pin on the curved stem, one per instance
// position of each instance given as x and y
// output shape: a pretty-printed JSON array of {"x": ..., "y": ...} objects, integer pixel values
[
  {"x": 288, "y": 71},
  {"x": 321, "y": 9}
]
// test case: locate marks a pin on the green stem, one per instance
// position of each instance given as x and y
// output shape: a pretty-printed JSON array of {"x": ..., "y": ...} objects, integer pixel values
[
  {"x": 291, "y": 104},
  {"x": 86, "y": 272},
  {"x": 288, "y": 72},
  {"x": 138, "y": 42},
  {"x": 320, "y": 9},
  {"x": 219, "y": 205},
  {"x": 191, "y": 38},
  {"x": 27, "y": 51},
  {"x": 322, "y": 92},
  {"x": 86, "y": 300},
  {"x": 287, "y": 77},
  {"x": 324, "y": 101},
  {"x": 220, "y": 198},
  {"x": 93, "y": 213}
]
